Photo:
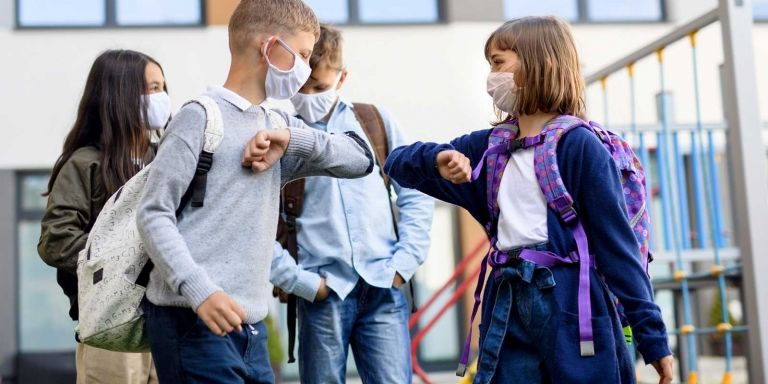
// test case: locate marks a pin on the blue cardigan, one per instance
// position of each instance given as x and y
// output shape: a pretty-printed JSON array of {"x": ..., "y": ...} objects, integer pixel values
[{"x": 591, "y": 177}]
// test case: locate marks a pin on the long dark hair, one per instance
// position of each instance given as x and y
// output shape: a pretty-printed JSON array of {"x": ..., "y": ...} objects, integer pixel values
[{"x": 111, "y": 117}]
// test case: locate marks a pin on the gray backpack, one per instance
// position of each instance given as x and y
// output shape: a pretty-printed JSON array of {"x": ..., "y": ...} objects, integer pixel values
[{"x": 113, "y": 268}]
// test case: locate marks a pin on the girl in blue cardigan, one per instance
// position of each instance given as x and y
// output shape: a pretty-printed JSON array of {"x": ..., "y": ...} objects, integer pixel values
[{"x": 530, "y": 330}]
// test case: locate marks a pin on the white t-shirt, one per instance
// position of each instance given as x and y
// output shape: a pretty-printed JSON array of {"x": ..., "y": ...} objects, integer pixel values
[{"x": 522, "y": 205}]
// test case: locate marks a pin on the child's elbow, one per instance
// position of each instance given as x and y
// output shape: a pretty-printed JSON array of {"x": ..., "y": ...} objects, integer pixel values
[{"x": 363, "y": 158}]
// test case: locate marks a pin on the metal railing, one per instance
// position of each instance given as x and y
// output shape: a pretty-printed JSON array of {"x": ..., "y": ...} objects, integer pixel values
[{"x": 688, "y": 194}]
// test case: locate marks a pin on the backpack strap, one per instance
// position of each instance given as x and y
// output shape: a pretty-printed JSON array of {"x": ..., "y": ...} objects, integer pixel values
[
  {"x": 496, "y": 157},
  {"x": 547, "y": 169},
  {"x": 292, "y": 202},
  {"x": 213, "y": 135},
  {"x": 552, "y": 186},
  {"x": 370, "y": 119}
]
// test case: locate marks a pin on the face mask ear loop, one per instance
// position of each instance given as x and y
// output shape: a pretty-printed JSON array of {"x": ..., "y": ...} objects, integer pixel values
[{"x": 265, "y": 49}]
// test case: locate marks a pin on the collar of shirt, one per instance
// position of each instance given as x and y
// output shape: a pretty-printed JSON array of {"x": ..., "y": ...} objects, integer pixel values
[
  {"x": 338, "y": 108},
  {"x": 233, "y": 98}
]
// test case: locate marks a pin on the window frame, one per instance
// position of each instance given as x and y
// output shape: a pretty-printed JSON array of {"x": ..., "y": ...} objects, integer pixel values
[
  {"x": 353, "y": 19},
  {"x": 110, "y": 20}
]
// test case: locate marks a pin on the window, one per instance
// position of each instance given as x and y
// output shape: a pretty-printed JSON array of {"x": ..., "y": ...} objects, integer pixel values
[
  {"x": 760, "y": 9},
  {"x": 377, "y": 11},
  {"x": 44, "y": 323},
  {"x": 109, "y": 13},
  {"x": 399, "y": 11},
  {"x": 567, "y": 9},
  {"x": 624, "y": 10},
  {"x": 589, "y": 10},
  {"x": 331, "y": 11},
  {"x": 48, "y": 13},
  {"x": 158, "y": 12}
]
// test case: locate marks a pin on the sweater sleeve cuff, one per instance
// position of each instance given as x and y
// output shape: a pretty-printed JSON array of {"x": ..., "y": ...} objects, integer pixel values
[
  {"x": 434, "y": 173},
  {"x": 197, "y": 288},
  {"x": 654, "y": 352},
  {"x": 307, "y": 284},
  {"x": 301, "y": 144}
]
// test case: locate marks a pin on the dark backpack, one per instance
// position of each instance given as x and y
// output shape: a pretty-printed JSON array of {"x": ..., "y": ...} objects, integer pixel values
[{"x": 292, "y": 201}]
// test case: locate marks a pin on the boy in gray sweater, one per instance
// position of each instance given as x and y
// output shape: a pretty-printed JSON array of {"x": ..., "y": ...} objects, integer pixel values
[{"x": 207, "y": 295}]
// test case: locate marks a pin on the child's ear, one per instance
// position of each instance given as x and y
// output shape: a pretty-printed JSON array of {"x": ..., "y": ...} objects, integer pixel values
[
  {"x": 259, "y": 41},
  {"x": 343, "y": 77}
]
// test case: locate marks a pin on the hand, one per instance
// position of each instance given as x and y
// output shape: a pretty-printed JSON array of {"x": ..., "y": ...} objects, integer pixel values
[
  {"x": 280, "y": 294},
  {"x": 322, "y": 292},
  {"x": 454, "y": 167},
  {"x": 221, "y": 314},
  {"x": 398, "y": 281},
  {"x": 265, "y": 149},
  {"x": 664, "y": 367}
]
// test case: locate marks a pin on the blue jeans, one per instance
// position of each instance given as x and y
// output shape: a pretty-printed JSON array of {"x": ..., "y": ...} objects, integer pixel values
[
  {"x": 530, "y": 331},
  {"x": 185, "y": 351},
  {"x": 374, "y": 321}
]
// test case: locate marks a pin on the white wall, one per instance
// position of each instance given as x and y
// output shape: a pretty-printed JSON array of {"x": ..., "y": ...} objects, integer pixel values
[{"x": 431, "y": 77}]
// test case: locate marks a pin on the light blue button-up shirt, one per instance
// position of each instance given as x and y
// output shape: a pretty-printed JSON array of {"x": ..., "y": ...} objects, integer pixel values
[{"x": 345, "y": 229}]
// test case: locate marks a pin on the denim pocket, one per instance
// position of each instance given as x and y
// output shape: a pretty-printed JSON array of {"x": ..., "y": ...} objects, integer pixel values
[{"x": 568, "y": 366}]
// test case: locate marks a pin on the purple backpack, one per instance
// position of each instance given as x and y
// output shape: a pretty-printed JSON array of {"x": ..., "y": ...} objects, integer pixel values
[{"x": 501, "y": 144}]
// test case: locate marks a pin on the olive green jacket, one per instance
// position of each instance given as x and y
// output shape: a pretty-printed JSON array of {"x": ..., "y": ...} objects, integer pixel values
[{"x": 74, "y": 203}]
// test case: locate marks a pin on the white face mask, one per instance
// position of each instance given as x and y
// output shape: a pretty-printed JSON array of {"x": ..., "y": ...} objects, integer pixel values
[
  {"x": 281, "y": 85},
  {"x": 158, "y": 107},
  {"x": 503, "y": 90},
  {"x": 314, "y": 107}
]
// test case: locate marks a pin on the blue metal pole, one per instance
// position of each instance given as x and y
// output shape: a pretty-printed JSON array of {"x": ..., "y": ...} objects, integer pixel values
[
  {"x": 664, "y": 194},
  {"x": 680, "y": 273},
  {"x": 714, "y": 182},
  {"x": 682, "y": 192},
  {"x": 698, "y": 199}
]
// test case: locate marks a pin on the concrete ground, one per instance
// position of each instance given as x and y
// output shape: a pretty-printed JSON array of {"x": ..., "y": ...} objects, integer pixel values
[{"x": 710, "y": 372}]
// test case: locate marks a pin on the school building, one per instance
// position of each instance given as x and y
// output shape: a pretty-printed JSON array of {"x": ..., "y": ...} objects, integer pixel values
[{"x": 683, "y": 80}]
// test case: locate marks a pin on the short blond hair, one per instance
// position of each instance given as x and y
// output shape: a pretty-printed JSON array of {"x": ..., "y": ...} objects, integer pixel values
[
  {"x": 269, "y": 16},
  {"x": 550, "y": 76}
]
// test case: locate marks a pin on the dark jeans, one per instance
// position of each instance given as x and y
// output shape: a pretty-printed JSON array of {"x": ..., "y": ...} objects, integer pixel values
[
  {"x": 185, "y": 351},
  {"x": 530, "y": 331}
]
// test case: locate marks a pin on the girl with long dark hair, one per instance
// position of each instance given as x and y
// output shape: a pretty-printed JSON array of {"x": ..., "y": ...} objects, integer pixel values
[{"x": 124, "y": 104}]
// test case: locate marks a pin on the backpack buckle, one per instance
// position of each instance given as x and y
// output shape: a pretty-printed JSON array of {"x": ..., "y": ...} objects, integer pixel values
[
  {"x": 290, "y": 222},
  {"x": 564, "y": 207},
  {"x": 568, "y": 214},
  {"x": 514, "y": 145}
]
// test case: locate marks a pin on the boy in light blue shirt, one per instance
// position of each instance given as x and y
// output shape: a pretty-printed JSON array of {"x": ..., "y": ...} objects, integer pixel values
[{"x": 351, "y": 260}]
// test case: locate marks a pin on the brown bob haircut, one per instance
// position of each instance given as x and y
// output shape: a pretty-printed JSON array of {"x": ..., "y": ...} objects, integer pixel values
[
  {"x": 550, "y": 77},
  {"x": 278, "y": 17}
]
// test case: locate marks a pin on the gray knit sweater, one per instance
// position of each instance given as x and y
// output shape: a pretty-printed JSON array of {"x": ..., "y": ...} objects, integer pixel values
[{"x": 226, "y": 245}]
